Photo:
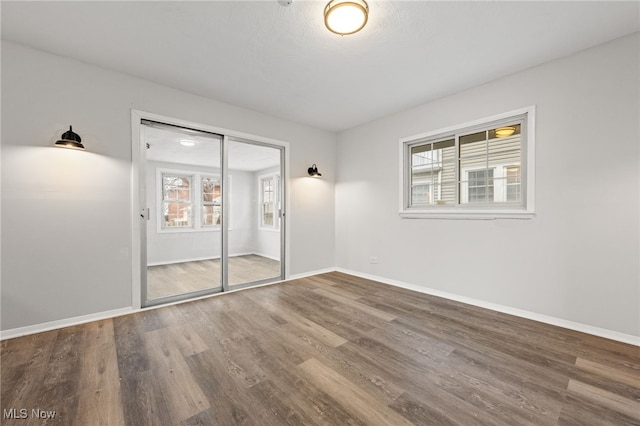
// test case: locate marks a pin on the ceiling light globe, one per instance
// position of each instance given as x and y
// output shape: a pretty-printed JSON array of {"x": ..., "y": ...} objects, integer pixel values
[
  {"x": 346, "y": 16},
  {"x": 503, "y": 132}
]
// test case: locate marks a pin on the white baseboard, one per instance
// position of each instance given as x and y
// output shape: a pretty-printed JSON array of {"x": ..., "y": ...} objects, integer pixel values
[
  {"x": 312, "y": 273},
  {"x": 277, "y": 259},
  {"x": 571, "y": 325},
  {"x": 198, "y": 259},
  {"x": 584, "y": 328},
  {"x": 175, "y": 261},
  {"x": 67, "y": 322}
]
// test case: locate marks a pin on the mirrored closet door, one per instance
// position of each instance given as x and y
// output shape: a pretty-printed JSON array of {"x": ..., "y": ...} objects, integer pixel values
[{"x": 214, "y": 217}]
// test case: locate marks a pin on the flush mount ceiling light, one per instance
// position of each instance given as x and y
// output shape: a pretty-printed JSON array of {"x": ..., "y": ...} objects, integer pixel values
[
  {"x": 503, "y": 132},
  {"x": 346, "y": 16},
  {"x": 187, "y": 142},
  {"x": 69, "y": 139}
]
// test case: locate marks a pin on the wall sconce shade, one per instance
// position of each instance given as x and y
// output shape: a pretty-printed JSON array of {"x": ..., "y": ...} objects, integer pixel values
[
  {"x": 346, "y": 16},
  {"x": 70, "y": 139},
  {"x": 313, "y": 171}
]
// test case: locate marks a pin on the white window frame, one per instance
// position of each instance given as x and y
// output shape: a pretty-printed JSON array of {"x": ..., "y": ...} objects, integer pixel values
[
  {"x": 161, "y": 201},
  {"x": 201, "y": 177},
  {"x": 276, "y": 202},
  {"x": 500, "y": 182},
  {"x": 196, "y": 201},
  {"x": 522, "y": 210},
  {"x": 506, "y": 179},
  {"x": 464, "y": 195}
]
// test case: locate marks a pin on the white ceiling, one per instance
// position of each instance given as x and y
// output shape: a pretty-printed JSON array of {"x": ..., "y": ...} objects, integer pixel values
[
  {"x": 164, "y": 146},
  {"x": 283, "y": 62}
]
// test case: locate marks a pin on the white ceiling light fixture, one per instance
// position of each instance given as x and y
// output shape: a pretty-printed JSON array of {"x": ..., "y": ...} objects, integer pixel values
[
  {"x": 346, "y": 16},
  {"x": 187, "y": 142},
  {"x": 503, "y": 132}
]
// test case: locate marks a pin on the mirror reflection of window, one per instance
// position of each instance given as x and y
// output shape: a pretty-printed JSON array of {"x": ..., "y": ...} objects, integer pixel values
[
  {"x": 211, "y": 201},
  {"x": 176, "y": 201},
  {"x": 269, "y": 201}
]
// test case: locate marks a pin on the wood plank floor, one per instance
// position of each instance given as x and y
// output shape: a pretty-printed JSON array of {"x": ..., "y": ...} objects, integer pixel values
[
  {"x": 186, "y": 277},
  {"x": 326, "y": 350}
]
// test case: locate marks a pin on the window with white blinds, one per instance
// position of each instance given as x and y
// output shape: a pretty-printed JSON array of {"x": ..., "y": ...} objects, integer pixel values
[{"x": 482, "y": 169}]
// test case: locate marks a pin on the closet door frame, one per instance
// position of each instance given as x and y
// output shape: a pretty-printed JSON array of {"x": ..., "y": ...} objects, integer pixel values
[{"x": 139, "y": 211}]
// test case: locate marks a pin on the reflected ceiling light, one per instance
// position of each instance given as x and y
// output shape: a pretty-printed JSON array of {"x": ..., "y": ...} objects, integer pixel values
[
  {"x": 70, "y": 139},
  {"x": 187, "y": 142},
  {"x": 313, "y": 171},
  {"x": 346, "y": 16},
  {"x": 503, "y": 132}
]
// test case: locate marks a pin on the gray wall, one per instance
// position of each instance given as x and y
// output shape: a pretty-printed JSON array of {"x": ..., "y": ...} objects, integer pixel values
[
  {"x": 66, "y": 215},
  {"x": 578, "y": 259}
]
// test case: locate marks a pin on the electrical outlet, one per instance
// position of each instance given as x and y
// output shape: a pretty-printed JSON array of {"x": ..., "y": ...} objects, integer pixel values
[{"x": 373, "y": 259}]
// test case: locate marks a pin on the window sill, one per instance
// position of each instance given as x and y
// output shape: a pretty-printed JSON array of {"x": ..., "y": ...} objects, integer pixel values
[{"x": 466, "y": 214}]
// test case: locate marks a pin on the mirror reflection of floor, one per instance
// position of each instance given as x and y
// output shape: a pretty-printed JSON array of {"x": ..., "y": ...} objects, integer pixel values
[{"x": 185, "y": 277}]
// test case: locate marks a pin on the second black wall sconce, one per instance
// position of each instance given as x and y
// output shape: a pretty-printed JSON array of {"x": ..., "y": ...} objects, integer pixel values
[{"x": 313, "y": 171}]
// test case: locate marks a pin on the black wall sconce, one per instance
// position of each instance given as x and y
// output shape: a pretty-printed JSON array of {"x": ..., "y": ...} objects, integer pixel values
[
  {"x": 313, "y": 171},
  {"x": 70, "y": 139}
]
